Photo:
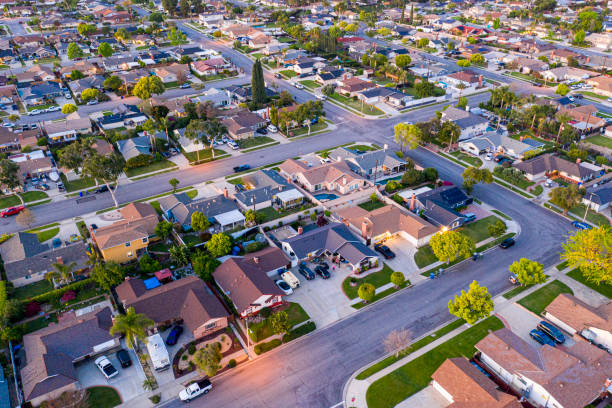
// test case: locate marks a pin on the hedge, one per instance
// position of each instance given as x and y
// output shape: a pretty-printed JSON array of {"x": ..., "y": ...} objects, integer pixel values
[
  {"x": 263, "y": 347},
  {"x": 255, "y": 246},
  {"x": 300, "y": 331},
  {"x": 141, "y": 160},
  {"x": 56, "y": 294}
]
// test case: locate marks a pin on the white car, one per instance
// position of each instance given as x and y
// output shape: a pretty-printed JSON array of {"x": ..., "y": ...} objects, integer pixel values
[
  {"x": 325, "y": 160},
  {"x": 489, "y": 156},
  {"x": 106, "y": 368},
  {"x": 8, "y": 125},
  {"x": 321, "y": 97},
  {"x": 92, "y": 102},
  {"x": 234, "y": 145},
  {"x": 53, "y": 109},
  {"x": 298, "y": 85},
  {"x": 284, "y": 286},
  {"x": 68, "y": 96},
  {"x": 571, "y": 98},
  {"x": 34, "y": 112},
  {"x": 272, "y": 129}
]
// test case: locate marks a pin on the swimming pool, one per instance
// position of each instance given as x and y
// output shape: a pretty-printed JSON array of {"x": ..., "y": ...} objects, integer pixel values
[
  {"x": 385, "y": 181},
  {"x": 325, "y": 196}
]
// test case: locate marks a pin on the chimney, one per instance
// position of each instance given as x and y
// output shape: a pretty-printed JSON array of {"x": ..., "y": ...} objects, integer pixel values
[
  {"x": 256, "y": 259},
  {"x": 300, "y": 230},
  {"x": 480, "y": 81},
  {"x": 225, "y": 193},
  {"x": 412, "y": 202},
  {"x": 344, "y": 180},
  {"x": 59, "y": 260},
  {"x": 364, "y": 229},
  {"x": 578, "y": 161}
]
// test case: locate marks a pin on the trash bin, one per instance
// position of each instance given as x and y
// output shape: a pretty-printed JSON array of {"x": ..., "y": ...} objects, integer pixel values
[
  {"x": 80, "y": 194},
  {"x": 432, "y": 275}
]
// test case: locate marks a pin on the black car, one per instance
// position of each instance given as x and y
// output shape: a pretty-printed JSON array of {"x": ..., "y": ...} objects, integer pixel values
[
  {"x": 324, "y": 273},
  {"x": 102, "y": 189},
  {"x": 551, "y": 331},
  {"x": 323, "y": 264},
  {"x": 385, "y": 251},
  {"x": 239, "y": 188},
  {"x": 306, "y": 272},
  {"x": 244, "y": 167},
  {"x": 277, "y": 75},
  {"x": 507, "y": 243},
  {"x": 262, "y": 131},
  {"x": 174, "y": 335},
  {"x": 124, "y": 358}
]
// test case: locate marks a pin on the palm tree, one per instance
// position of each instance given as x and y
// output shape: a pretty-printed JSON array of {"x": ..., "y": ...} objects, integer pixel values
[
  {"x": 133, "y": 326},
  {"x": 214, "y": 129},
  {"x": 65, "y": 271},
  {"x": 461, "y": 86}
]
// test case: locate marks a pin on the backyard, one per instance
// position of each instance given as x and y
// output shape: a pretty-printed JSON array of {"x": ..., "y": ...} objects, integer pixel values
[
  {"x": 31, "y": 290},
  {"x": 412, "y": 377},
  {"x": 538, "y": 300},
  {"x": 372, "y": 204}
]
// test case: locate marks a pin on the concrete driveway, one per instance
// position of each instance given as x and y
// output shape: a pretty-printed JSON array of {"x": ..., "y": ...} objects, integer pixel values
[
  {"x": 404, "y": 259},
  {"x": 128, "y": 383},
  {"x": 167, "y": 376},
  {"x": 323, "y": 299}
]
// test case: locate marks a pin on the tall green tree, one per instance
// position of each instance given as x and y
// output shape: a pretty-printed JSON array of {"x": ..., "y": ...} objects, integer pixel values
[
  {"x": 107, "y": 275},
  {"x": 146, "y": 87},
  {"x": 63, "y": 272},
  {"x": 591, "y": 251},
  {"x": 105, "y": 168},
  {"x": 133, "y": 326},
  {"x": 199, "y": 222},
  {"x": 163, "y": 229},
  {"x": 179, "y": 254},
  {"x": 473, "y": 305},
  {"x": 219, "y": 245},
  {"x": 113, "y": 82},
  {"x": 407, "y": 135},
  {"x": 69, "y": 108},
  {"x": 196, "y": 131},
  {"x": 474, "y": 175},
  {"x": 279, "y": 322},
  {"x": 208, "y": 359},
  {"x": 449, "y": 246},
  {"x": 105, "y": 50},
  {"x": 73, "y": 155},
  {"x": 204, "y": 265},
  {"x": 74, "y": 51},
  {"x": 528, "y": 272},
  {"x": 566, "y": 197},
  {"x": 176, "y": 37},
  {"x": 366, "y": 292},
  {"x": 258, "y": 86},
  {"x": 174, "y": 184},
  {"x": 9, "y": 176}
]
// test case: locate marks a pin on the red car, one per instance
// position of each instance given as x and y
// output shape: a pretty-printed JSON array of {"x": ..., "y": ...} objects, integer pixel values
[{"x": 12, "y": 211}]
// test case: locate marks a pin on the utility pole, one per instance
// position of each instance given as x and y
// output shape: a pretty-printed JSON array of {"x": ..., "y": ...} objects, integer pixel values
[{"x": 587, "y": 206}]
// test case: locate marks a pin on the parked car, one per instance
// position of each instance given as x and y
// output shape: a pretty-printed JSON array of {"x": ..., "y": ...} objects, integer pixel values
[
  {"x": 262, "y": 131},
  {"x": 61, "y": 187},
  {"x": 106, "y": 368},
  {"x": 322, "y": 271},
  {"x": 272, "y": 129},
  {"x": 239, "y": 188},
  {"x": 196, "y": 389},
  {"x": 298, "y": 85},
  {"x": 385, "y": 251},
  {"x": 123, "y": 356},
  {"x": 321, "y": 97},
  {"x": 43, "y": 186},
  {"x": 68, "y": 96},
  {"x": 284, "y": 286},
  {"x": 102, "y": 189},
  {"x": 489, "y": 156},
  {"x": 174, "y": 335},
  {"x": 93, "y": 102},
  {"x": 53, "y": 109},
  {"x": 185, "y": 86},
  {"x": 233, "y": 145},
  {"x": 12, "y": 211},
  {"x": 581, "y": 225},
  {"x": 34, "y": 112},
  {"x": 244, "y": 167},
  {"x": 291, "y": 279},
  {"x": 469, "y": 217},
  {"x": 306, "y": 272},
  {"x": 56, "y": 243},
  {"x": 277, "y": 75},
  {"x": 541, "y": 337},
  {"x": 507, "y": 243},
  {"x": 551, "y": 331},
  {"x": 8, "y": 125}
]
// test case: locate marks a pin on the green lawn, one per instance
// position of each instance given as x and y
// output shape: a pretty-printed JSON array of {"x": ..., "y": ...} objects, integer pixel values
[
  {"x": 45, "y": 106},
  {"x": 356, "y": 105},
  {"x": 593, "y": 95},
  {"x": 31, "y": 290},
  {"x": 364, "y": 148},
  {"x": 317, "y": 127},
  {"x": 602, "y": 288},
  {"x": 412, "y": 377},
  {"x": 155, "y": 166},
  {"x": 562, "y": 265},
  {"x": 205, "y": 155},
  {"x": 373, "y": 369},
  {"x": 501, "y": 214},
  {"x": 47, "y": 234},
  {"x": 37, "y": 324},
  {"x": 12, "y": 200},
  {"x": 289, "y": 73},
  {"x": 254, "y": 141},
  {"x": 601, "y": 141},
  {"x": 103, "y": 397},
  {"x": 310, "y": 84},
  {"x": 517, "y": 290},
  {"x": 478, "y": 230},
  {"x": 592, "y": 216},
  {"x": 191, "y": 240},
  {"x": 372, "y": 205},
  {"x": 538, "y": 300},
  {"x": 377, "y": 279},
  {"x": 474, "y": 161},
  {"x": 263, "y": 330},
  {"x": 424, "y": 256},
  {"x": 158, "y": 247},
  {"x": 78, "y": 184}
]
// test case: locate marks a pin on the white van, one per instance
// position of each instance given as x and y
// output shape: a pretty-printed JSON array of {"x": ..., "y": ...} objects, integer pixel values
[
  {"x": 157, "y": 351},
  {"x": 290, "y": 279}
]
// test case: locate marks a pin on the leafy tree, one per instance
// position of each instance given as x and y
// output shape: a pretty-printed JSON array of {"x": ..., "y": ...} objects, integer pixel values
[
  {"x": 430, "y": 173},
  {"x": 402, "y": 60},
  {"x": 122, "y": 34},
  {"x": 590, "y": 251},
  {"x": 412, "y": 177},
  {"x": 133, "y": 326},
  {"x": 258, "y": 86},
  {"x": 463, "y": 63},
  {"x": 73, "y": 155},
  {"x": 86, "y": 29},
  {"x": 9, "y": 176},
  {"x": 204, "y": 265},
  {"x": 105, "y": 50},
  {"x": 579, "y": 37},
  {"x": 208, "y": 358},
  {"x": 107, "y": 275},
  {"x": 199, "y": 222},
  {"x": 147, "y": 87},
  {"x": 279, "y": 322},
  {"x": 462, "y": 103},
  {"x": 148, "y": 264},
  {"x": 160, "y": 111},
  {"x": 74, "y": 51},
  {"x": 106, "y": 168},
  {"x": 156, "y": 17},
  {"x": 69, "y": 108},
  {"x": 219, "y": 245},
  {"x": 174, "y": 183},
  {"x": 328, "y": 90},
  {"x": 497, "y": 229},
  {"x": 407, "y": 135},
  {"x": 449, "y": 246},
  {"x": 163, "y": 229},
  {"x": 422, "y": 42},
  {"x": 184, "y": 7},
  {"x": 351, "y": 28},
  {"x": 113, "y": 82},
  {"x": 424, "y": 88},
  {"x": 170, "y": 6},
  {"x": 195, "y": 131},
  {"x": 179, "y": 254},
  {"x": 366, "y": 292},
  {"x": 76, "y": 74},
  {"x": 474, "y": 175},
  {"x": 176, "y": 37},
  {"x": 89, "y": 94},
  {"x": 566, "y": 197},
  {"x": 528, "y": 272},
  {"x": 473, "y": 305},
  {"x": 477, "y": 59},
  {"x": 562, "y": 90},
  {"x": 397, "y": 279}
]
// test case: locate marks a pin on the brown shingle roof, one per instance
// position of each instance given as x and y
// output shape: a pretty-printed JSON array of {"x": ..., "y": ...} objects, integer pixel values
[
  {"x": 579, "y": 315},
  {"x": 330, "y": 172},
  {"x": 139, "y": 221},
  {"x": 549, "y": 162}
]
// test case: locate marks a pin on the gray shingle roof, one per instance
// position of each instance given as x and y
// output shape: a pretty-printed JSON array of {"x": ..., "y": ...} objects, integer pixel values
[{"x": 182, "y": 207}]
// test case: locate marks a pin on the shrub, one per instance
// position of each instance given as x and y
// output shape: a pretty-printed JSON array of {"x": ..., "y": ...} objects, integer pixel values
[
  {"x": 263, "y": 347},
  {"x": 141, "y": 160},
  {"x": 155, "y": 398},
  {"x": 397, "y": 198},
  {"x": 392, "y": 186},
  {"x": 191, "y": 349},
  {"x": 327, "y": 213},
  {"x": 399, "y": 154},
  {"x": 431, "y": 174},
  {"x": 412, "y": 177},
  {"x": 265, "y": 312},
  {"x": 184, "y": 357},
  {"x": 255, "y": 246},
  {"x": 231, "y": 363},
  {"x": 54, "y": 295}
]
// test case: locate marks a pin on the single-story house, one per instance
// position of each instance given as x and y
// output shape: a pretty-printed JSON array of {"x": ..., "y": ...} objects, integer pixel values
[
  {"x": 549, "y": 165},
  {"x": 243, "y": 124},
  {"x": 40, "y": 93},
  {"x": 128, "y": 116},
  {"x": 471, "y": 125},
  {"x": 494, "y": 142},
  {"x": 450, "y": 197},
  {"x": 263, "y": 188},
  {"x": 598, "y": 198},
  {"x": 94, "y": 81},
  {"x": 334, "y": 176},
  {"x": 66, "y": 130},
  {"x": 374, "y": 164}
]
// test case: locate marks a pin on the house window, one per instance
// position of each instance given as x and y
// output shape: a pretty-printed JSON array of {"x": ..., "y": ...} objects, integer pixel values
[
  {"x": 130, "y": 254},
  {"x": 144, "y": 240},
  {"x": 127, "y": 244},
  {"x": 210, "y": 326}
]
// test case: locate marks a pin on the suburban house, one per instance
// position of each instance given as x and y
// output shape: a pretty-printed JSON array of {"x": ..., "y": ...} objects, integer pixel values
[
  {"x": 576, "y": 317},
  {"x": 51, "y": 352},
  {"x": 603, "y": 41},
  {"x": 439, "y": 206},
  {"x": 547, "y": 376},
  {"x": 247, "y": 280},
  {"x": 126, "y": 239},
  {"x": 128, "y": 116},
  {"x": 9, "y": 141},
  {"x": 529, "y": 65},
  {"x": 33, "y": 164},
  {"x": 329, "y": 76},
  {"x": 222, "y": 212},
  {"x": 172, "y": 72},
  {"x": 210, "y": 20},
  {"x": 335, "y": 240},
  {"x": 130, "y": 148},
  {"x": 551, "y": 166},
  {"x": 602, "y": 85},
  {"x": 40, "y": 93},
  {"x": 84, "y": 67},
  {"x": 351, "y": 86},
  {"x": 494, "y": 142},
  {"x": 263, "y": 189},
  {"x": 375, "y": 164},
  {"x": 218, "y": 97},
  {"x": 464, "y": 385},
  {"x": 562, "y": 55},
  {"x": 36, "y": 73},
  {"x": 386, "y": 222},
  {"x": 27, "y": 261},
  {"x": 598, "y": 198},
  {"x": 384, "y": 94},
  {"x": 243, "y": 124},
  {"x": 471, "y": 125},
  {"x": 584, "y": 117},
  {"x": 560, "y": 74},
  {"x": 189, "y": 300},
  {"x": 467, "y": 79},
  {"x": 93, "y": 81},
  {"x": 68, "y": 129},
  {"x": 210, "y": 66},
  {"x": 334, "y": 176}
]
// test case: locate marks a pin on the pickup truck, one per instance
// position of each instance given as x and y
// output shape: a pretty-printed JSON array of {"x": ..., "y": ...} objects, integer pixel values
[{"x": 195, "y": 390}]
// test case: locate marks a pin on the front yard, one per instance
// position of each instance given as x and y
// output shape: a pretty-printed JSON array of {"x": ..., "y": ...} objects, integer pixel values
[
  {"x": 424, "y": 256},
  {"x": 377, "y": 279},
  {"x": 263, "y": 330},
  {"x": 479, "y": 230},
  {"x": 155, "y": 166},
  {"x": 356, "y": 104},
  {"x": 474, "y": 161},
  {"x": 205, "y": 155},
  {"x": 317, "y": 127},
  {"x": 13, "y": 200},
  {"x": 254, "y": 141},
  {"x": 103, "y": 397},
  {"x": 288, "y": 73},
  {"x": 538, "y": 300},
  {"x": 78, "y": 184},
  {"x": 310, "y": 84},
  {"x": 603, "y": 288}
]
